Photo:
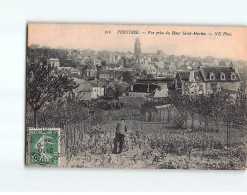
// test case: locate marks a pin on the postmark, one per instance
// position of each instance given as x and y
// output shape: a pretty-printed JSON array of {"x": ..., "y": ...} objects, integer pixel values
[{"x": 43, "y": 147}]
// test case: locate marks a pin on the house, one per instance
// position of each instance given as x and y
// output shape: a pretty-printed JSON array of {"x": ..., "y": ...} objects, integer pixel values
[
  {"x": 160, "y": 53},
  {"x": 150, "y": 69},
  {"x": 218, "y": 78},
  {"x": 163, "y": 86},
  {"x": 62, "y": 71},
  {"x": 113, "y": 58},
  {"x": 54, "y": 62},
  {"x": 97, "y": 61},
  {"x": 74, "y": 72},
  {"x": 91, "y": 71},
  {"x": 160, "y": 64},
  {"x": 79, "y": 61},
  {"x": 83, "y": 90},
  {"x": 105, "y": 74},
  {"x": 66, "y": 71},
  {"x": 189, "y": 82},
  {"x": 142, "y": 89},
  {"x": 172, "y": 66},
  {"x": 207, "y": 80},
  {"x": 97, "y": 90}
]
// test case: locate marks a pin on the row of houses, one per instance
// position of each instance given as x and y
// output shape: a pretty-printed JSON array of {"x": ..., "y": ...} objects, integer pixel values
[
  {"x": 204, "y": 80},
  {"x": 96, "y": 69},
  {"x": 89, "y": 90}
]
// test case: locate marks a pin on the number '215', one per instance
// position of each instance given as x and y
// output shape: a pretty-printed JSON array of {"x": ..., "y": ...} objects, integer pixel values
[{"x": 108, "y": 32}]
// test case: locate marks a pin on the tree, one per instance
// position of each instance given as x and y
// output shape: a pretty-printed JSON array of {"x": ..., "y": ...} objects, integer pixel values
[
  {"x": 144, "y": 74},
  {"x": 43, "y": 53},
  {"x": 70, "y": 109},
  {"x": 148, "y": 108},
  {"x": 89, "y": 62},
  {"x": 150, "y": 76},
  {"x": 44, "y": 87},
  {"x": 128, "y": 77}
]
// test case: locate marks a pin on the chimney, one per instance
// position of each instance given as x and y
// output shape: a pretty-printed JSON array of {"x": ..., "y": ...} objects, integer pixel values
[
  {"x": 231, "y": 65},
  {"x": 199, "y": 66},
  {"x": 192, "y": 76},
  {"x": 176, "y": 83},
  {"x": 148, "y": 90},
  {"x": 131, "y": 87}
]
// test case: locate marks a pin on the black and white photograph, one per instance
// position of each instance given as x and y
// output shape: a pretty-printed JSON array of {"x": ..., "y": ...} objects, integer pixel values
[{"x": 136, "y": 96}]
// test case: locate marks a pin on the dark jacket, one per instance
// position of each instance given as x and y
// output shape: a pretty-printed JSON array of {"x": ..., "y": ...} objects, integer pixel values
[{"x": 121, "y": 128}]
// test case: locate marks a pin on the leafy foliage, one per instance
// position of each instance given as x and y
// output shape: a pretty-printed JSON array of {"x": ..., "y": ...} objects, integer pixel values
[
  {"x": 44, "y": 87},
  {"x": 43, "y": 53},
  {"x": 128, "y": 77}
]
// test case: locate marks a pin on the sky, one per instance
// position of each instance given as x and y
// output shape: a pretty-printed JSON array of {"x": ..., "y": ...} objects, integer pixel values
[{"x": 94, "y": 36}]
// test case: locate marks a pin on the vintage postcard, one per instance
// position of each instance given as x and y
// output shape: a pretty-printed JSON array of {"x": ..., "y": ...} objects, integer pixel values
[{"x": 136, "y": 96}]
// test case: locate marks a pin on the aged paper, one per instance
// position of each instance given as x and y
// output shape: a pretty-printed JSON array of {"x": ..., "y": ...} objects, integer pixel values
[{"x": 136, "y": 96}]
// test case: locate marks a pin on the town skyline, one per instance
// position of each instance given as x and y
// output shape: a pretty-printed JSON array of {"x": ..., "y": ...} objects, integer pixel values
[
  {"x": 62, "y": 36},
  {"x": 153, "y": 52}
]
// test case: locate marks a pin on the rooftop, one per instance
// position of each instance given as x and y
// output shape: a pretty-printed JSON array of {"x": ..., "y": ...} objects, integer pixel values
[
  {"x": 206, "y": 71},
  {"x": 155, "y": 80},
  {"x": 185, "y": 75},
  {"x": 143, "y": 87},
  {"x": 95, "y": 84},
  {"x": 53, "y": 59}
]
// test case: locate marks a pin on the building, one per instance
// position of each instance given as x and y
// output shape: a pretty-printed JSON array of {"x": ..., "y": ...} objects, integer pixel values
[
  {"x": 80, "y": 61},
  {"x": 54, "y": 62},
  {"x": 142, "y": 89},
  {"x": 172, "y": 66},
  {"x": 163, "y": 86},
  {"x": 106, "y": 74},
  {"x": 128, "y": 54},
  {"x": 97, "y": 61},
  {"x": 112, "y": 59},
  {"x": 160, "y": 53},
  {"x": 97, "y": 90},
  {"x": 150, "y": 69},
  {"x": 218, "y": 78},
  {"x": 84, "y": 89},
  {"x": 207, "y": 80},
  {"x": 160, "y": 64},
  {"x": 66, "y": 71},
  {"x": 74, "y": 72},
  {"x": 137, "y": 49},
  {"x": 189, "y": 82},
  {"x": 91, "y": 71}
]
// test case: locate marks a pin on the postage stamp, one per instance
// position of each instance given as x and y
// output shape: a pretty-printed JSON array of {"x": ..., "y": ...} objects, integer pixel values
[{"x": 43, "y": 147}]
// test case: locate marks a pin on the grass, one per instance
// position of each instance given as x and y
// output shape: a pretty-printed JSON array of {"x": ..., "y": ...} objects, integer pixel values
[{"x": 158, "y": 145}]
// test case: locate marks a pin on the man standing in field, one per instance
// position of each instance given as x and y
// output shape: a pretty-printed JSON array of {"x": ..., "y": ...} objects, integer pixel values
[{"x": 121, "y": 131}]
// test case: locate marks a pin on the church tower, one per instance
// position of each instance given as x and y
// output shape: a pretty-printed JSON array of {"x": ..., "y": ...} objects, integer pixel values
[{"x": 137, "y": 49}]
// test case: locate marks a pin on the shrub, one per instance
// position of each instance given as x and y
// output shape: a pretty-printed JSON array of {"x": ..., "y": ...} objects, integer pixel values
[{"x": 178, "y": 121}]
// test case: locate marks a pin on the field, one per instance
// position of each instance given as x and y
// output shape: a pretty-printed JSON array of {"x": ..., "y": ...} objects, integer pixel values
[{"x": 158, "y": 146}]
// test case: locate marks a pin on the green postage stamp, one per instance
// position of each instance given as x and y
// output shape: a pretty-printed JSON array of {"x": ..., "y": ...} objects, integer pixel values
[{"x": 43, "y": 147}]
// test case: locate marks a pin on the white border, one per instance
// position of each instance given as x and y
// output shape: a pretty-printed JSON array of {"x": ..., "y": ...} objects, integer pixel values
[{"x": 14, "y": 16}]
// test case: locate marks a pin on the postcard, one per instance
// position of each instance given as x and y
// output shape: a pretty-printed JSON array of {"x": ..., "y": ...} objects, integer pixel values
[{"x": 136, "y": 96}]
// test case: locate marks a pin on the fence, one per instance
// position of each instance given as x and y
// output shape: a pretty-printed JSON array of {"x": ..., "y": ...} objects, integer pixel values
[{"x": 72, "y": 136}]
